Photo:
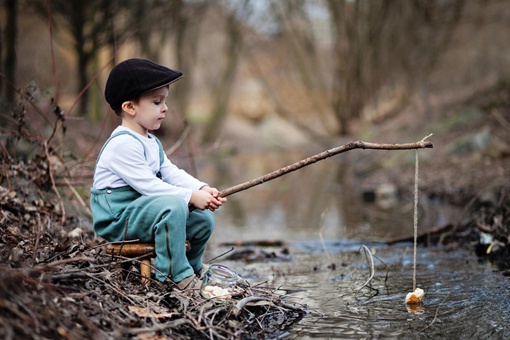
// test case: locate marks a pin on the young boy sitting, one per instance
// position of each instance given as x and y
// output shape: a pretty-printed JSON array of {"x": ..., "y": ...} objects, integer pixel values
[{"x": 137, "y": 192}]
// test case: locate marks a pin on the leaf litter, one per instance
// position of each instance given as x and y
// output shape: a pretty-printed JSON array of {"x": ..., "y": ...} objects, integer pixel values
[{"x": 58, "y": 282}]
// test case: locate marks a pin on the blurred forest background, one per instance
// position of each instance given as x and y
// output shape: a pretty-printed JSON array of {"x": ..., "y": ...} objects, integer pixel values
[
  {"x": 259, "y": 74},
  {"x": 267, "y": 83}
]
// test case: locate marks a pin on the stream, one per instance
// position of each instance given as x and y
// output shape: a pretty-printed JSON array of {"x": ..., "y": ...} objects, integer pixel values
[
  {"x": 321, "y": 222},
  {"x": 464, "y": 299}
]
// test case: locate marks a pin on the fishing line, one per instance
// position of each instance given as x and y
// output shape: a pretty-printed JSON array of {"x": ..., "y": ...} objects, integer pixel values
[{"x": 415, "y": 218}]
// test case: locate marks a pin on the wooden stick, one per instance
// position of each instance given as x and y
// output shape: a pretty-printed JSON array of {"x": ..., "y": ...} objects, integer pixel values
[{"x": 319, "y": 157}]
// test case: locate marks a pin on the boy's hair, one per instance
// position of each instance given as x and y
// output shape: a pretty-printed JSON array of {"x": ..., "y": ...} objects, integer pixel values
[
  {"x": 135, "y": 99},
  {"x": 132, "y": 77}
]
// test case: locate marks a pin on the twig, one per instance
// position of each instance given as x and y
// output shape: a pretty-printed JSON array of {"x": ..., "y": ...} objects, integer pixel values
[
  {"x": 59, "y": 122},
  {"x": 77, "y": 195},
  {"x": 435, "y": 315},
  {"x": 66, "y": 261},
  {"x": 112, "y": 287},
  {"x": 71, "y": 108},
  {"x": 242, "y": 303},
  {"x": 14, "y": 309},
  {"x": 37, "y": 236},
  {"x": 322, "y": 239},
  {"x": 54, "y": 186},
  {"x": 370, "y": 260},
  {"x": 501, "y": 120},
  {"x": 291, "y": 306},
  {"x": 179, "y": 142},
  {"x": 222, "y": 254},
  {"x": 387, "y": 270},
  {"x": 320, "y": 156}
]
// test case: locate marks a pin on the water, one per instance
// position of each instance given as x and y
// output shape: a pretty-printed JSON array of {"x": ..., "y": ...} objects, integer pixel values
[
  {"x": 463, "y": 297},
  {"x": 323, "y": 219},
  {"x": 325, "y": 200}
]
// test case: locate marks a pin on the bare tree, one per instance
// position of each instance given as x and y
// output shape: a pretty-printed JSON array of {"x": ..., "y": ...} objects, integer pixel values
[
  {"x": 232, "y": 53},
  {"x": 90, "y": 25},
  {"x": 372, "y": 44},
  {"x": 378, "y": 41},
  {"x": 8, "y": 66}
]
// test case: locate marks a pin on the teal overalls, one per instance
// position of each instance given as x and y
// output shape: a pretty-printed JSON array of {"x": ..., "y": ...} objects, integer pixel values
[{"x": 124, "y": 214}]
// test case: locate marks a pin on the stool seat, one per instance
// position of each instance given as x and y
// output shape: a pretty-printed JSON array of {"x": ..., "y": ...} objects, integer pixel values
[
  {"x": 145, "y": 251},
  {"x": 131, "y": 249}
]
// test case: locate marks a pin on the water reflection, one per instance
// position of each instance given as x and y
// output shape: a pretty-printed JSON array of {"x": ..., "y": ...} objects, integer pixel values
[
  {"x": 463, "y": 298},
  {"x": 323, "y": 199},
  {"x": 324, "y": 217}
]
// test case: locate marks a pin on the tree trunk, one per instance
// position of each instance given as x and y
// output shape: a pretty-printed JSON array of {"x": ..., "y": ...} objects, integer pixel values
[
  {"x": 77, "y": 25},
  {"x": 223, "y": 90},
  {"x": 9, "y": 67}
]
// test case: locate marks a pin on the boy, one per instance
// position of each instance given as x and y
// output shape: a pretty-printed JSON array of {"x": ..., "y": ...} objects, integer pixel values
[{"x": 137, "y": 192}]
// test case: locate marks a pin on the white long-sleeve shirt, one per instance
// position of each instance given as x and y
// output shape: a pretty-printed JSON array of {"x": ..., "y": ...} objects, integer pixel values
[{"x": 125, "y": 162}]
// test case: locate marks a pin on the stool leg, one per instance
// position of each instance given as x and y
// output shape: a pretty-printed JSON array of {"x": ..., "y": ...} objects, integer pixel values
[{"x": 145, "y": 270}]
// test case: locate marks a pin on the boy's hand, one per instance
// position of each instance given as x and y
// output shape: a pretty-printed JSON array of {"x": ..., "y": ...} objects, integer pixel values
[{"x": 207, "y": 198}]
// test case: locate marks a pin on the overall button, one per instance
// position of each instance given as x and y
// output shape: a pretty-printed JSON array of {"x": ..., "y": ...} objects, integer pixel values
[{"x": 108, "y": 191}]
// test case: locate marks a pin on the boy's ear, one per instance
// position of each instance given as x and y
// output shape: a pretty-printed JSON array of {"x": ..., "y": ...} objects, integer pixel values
[{"x": 128, "y": 107}]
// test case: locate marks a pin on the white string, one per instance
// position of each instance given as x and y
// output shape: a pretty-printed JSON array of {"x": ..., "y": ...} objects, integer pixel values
[
  {"x": 415, "y": 219},
  {"x": 415, "y": 216}
]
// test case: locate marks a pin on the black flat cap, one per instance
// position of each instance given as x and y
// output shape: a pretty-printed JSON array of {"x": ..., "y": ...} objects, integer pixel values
[{"x": 135, "y": 76}]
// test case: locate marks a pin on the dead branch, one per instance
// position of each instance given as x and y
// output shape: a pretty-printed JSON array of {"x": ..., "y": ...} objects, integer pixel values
[
  {"x": 242, "y": 303},
  {"x": 65, "y": 261},
  {"x": 370, "y": 260},
  {"x": 54, "y": 186},
  {"x": 320, "y": 156}
]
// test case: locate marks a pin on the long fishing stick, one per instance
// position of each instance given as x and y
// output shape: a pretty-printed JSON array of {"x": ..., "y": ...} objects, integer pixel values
[{"x": 320, "y": 156}]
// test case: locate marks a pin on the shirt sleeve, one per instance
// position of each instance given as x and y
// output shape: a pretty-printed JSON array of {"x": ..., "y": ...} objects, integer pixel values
[
  {"x": 171, "y": 174},
  {"x": 129, "y": 163}
]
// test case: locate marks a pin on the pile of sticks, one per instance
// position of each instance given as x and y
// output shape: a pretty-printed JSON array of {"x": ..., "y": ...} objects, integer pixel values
[{"x": 81, "y": 293}]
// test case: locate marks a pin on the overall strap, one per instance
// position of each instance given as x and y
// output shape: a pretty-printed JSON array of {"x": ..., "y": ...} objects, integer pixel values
[
  {"x": 161, "y": 151},
  {"x": 124, "y": 132}
]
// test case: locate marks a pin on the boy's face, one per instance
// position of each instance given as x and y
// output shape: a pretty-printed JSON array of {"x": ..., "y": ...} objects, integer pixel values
[{"x": 149, "y": 111}]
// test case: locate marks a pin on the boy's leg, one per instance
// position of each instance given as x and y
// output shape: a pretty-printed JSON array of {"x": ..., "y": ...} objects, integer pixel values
[
  {"x": 161, "y": 219},
  {"x": 199, "y": 227}
]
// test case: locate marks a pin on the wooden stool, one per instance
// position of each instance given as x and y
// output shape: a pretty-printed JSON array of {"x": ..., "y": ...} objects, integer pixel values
[{"x": 145, "y": 251}]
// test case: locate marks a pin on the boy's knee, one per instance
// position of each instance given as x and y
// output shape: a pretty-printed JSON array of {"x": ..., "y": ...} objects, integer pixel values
[
  {"x": 208, "y": 221},
  {"x": 208, "y": 218},
  {"x": 204, "y": 220},
  {"x": 170, "y": 202}
]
